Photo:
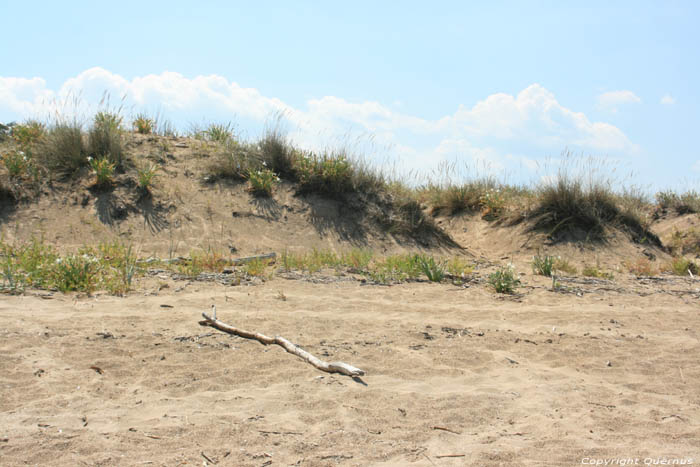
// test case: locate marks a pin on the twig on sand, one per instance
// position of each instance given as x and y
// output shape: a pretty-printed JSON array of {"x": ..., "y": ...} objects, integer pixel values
[
  {"x": 208, "y": 458},
  {"x": 333, "y": 367},
  {"x": 450, "y": 455},
  {"x": 446, "y": 429}
]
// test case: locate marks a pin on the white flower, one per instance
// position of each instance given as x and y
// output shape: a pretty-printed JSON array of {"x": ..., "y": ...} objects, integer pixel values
[
  {"x": 264, "y": 163},
  {"x": 89, "y": 159}
]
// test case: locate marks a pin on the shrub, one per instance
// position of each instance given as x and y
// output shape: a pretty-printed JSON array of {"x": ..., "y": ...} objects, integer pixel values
[
  {"x": 63, "y": 149},
  {"x": 504, "y": 280},
  {"x": 543, "y": 265},
  {"x": 143, "y": 124},
  {"x": 103, "y": 170},
  {"x": 17, "y": 163},
  {"x": 105, "y": 138},
  {"x": 28, "y": 133},
  {"x": 262, "y": 182}
]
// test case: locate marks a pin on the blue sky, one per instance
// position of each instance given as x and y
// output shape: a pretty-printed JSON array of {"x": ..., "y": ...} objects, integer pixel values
[{"x": 506, "y": 85}]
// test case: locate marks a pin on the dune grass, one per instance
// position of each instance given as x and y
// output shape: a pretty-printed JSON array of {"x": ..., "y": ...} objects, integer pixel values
[{"x": 578, "y": 202}]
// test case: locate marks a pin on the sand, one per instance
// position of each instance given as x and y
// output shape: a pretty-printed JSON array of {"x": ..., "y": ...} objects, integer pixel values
[{"x": 542, "y": 378}]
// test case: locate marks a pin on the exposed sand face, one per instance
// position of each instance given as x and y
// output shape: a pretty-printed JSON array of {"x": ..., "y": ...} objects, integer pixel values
[{"x": 450, "y": 371}]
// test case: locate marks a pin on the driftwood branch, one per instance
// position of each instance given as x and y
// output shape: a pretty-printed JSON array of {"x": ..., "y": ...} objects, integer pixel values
[{"x": 333, "y": 367}]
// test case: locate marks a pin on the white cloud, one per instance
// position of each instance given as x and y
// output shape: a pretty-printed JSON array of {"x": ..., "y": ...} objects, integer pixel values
[
  {"x": 611, "y": 101},
  {"x": 533, "y": 122},
  {"x": 668, "y": 100}
]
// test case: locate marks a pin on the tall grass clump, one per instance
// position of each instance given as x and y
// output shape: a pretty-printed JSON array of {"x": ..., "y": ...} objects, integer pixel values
[
  {"x": 233, "y": 161},
  {"x": 543, "y": 265},
  {"x": 62, "y": 149},
  {"x": 683, "y": 203},
  {"x": 580, "y": 199},
  {"x": 277, "y": 153},
  {"x": 105, "y": 138}
]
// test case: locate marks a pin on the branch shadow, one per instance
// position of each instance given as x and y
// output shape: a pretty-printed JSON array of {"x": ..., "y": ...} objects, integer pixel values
[
  {"x": 341, "y": 217},
  {"x": 153, "y": 214},
  {"x": 109, "y": 208},
  {"x": 267, "y": 208}
]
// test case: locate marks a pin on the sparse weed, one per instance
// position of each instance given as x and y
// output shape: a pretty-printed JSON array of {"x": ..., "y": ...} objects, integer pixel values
[
  {"x": 563, "y": 265},
  {"x": 640, "y": 267},
  {"x": 543, "y": 265},
  {"x": 504, "y": 280},
  {"x": 357, "y": 259},
  {"x": 682, "y": 267},
  {"x": 459, "y": 268},
  {"x": 329, "y": 174},
  {"x": 257, "y": 267},
  {"x": 597, "y": 272}
]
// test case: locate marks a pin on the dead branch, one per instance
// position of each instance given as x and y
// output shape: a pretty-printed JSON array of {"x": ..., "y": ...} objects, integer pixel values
[{"x": 333, "y": 367}]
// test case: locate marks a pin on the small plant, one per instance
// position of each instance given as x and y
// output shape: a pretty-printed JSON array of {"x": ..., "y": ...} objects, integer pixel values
[
  {"x": 493, "y": 203},
  {"x": 76, "y": 273},
  {"x": 682, "y": 267},
  {"x": 459, "y": 268},
  {"x": 543, "y": 265},
  {"x": 146, "y": 174},
  {"x": 262, "y": 182},
  {"x": 357, "y": 259},
  {"x": 597, "y": 272},
  {"x": 434, "y": 270},
  {"x": 103, "y": 170},
  {"x": 143, "y": 124},
  {"x": 257, "y": 267},
  {"x": 504, "y": 280},
  {"x": 17, "y": 163}
]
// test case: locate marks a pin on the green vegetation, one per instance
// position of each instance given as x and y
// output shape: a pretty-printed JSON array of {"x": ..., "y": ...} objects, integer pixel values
[
  {"x": 262, "y": 182},
  {"x": 103, "y": 170},
  {"x": 597, "y": 272},
  {"x": 62, "y": 150},
  {"x": 543, "y": 265},
  {"x": 110, "y": 267},
  {"x": 640, "y": 267},
  {"x": 146, "y": 174},
  {"x": 681, "y": 267},
  {"x": 143, "y": 124},
  {"x": 682, "y": 203},
  {"x": 105, "y": 138},
  {"x": 504, "y": 280}
]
